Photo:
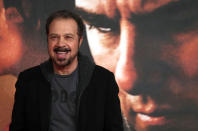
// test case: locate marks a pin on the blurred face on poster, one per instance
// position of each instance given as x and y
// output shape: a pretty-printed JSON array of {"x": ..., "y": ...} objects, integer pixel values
[
  {"x": 151, "y": 46},
  {"x": 11, "y": 43},
  {"x": 20, "y": 37}
]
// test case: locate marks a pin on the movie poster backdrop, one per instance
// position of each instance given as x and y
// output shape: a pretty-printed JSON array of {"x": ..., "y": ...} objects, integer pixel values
[{"x": 151, "y": 46}]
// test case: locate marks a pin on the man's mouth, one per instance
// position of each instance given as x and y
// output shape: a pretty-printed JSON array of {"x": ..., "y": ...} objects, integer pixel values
[
  {"x": 160, "y": 117},
  {"x": 61, "y": 52},
  {"x": 148, "y": 119}
]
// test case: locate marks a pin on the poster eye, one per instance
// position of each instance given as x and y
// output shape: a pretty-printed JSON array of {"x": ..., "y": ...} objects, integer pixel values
[{"x": 13, "y": 15}]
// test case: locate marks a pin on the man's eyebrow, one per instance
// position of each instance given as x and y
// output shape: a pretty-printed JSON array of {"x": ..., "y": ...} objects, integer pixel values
[
  {"x": 97, "y": 19},
  {"x": 182, "y": 6},
  {"x": 66, "y": 34},
  {"x": 52, "y": 34},
  {"x": 69, "y": 34},
  {"x": 177, "y": 15}
]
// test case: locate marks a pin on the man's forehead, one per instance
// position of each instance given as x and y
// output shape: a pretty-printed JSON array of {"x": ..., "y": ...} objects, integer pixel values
[
  {"x": 110, "y": 7},
  {"x": 63, "y": 25}
]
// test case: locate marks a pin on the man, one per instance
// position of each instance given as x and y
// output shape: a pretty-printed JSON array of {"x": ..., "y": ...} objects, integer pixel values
[
  {"x": 21, "y": 33},
  {"x": 151, "y": 46},
  {"x": 67, "y": 92}
]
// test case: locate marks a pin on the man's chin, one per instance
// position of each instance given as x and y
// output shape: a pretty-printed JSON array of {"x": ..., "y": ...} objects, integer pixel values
[
  {"x": 62, "y": 63},
  {"x": 162, "y": 128}
]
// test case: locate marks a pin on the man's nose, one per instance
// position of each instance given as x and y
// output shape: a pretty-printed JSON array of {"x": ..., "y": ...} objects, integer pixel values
[
  {"x": 125, "y": 72},
  {"x": 61, "y": 41}
]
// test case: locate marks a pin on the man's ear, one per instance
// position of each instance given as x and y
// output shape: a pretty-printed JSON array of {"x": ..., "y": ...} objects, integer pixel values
[{"x": 80, "y": 41}]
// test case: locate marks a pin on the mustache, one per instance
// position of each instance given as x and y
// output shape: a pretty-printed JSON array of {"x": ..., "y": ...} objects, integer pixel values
[{"x": 62, "y": 49}]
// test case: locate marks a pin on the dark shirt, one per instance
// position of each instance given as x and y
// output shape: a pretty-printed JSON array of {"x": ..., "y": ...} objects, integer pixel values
[{"x": 63, "y": 106}]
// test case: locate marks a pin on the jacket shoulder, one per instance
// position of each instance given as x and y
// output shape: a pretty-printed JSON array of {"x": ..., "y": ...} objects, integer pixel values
[
  {"x": 103, "y": 70},
  {"x": 102, "y": 73},
  {"x": 32, "y": 70},
  {"x": 30, "y": 73}
]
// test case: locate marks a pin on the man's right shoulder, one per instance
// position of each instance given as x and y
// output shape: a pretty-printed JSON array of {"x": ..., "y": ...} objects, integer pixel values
[{"x": 31, "y": 72}]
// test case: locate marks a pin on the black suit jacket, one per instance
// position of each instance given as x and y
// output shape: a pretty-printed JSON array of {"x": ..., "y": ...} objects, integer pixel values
[{"x": 98, "y": 106}]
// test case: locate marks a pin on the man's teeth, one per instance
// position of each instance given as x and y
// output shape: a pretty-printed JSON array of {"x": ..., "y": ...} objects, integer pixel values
[{"x": 61, "y": 52}]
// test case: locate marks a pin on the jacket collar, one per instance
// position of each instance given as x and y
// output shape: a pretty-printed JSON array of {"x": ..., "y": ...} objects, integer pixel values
[{"x": 85, "y": 66}]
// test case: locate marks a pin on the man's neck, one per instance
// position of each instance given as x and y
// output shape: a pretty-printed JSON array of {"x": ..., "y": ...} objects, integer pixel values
[{"x": 66, "y": 70}]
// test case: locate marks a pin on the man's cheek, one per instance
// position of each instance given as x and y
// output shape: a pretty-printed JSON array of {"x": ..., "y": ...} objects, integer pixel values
[
  {"x": 104, "y": 49},
  {"x": 188, "y": 59},
  {"x": 183, "y": 58},
  {"x": 106, "y": 59},
  {"x": 10, "y": 49},
  {"x": 188, "y": 54},
  {"x": 182, "y": 54}
]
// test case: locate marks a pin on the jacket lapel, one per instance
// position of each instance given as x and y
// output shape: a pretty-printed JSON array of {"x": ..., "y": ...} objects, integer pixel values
[
  {"x": 45, "y": 105},
  {"x": 86, "y": 68},
  {"x": 45, "y": 95}
]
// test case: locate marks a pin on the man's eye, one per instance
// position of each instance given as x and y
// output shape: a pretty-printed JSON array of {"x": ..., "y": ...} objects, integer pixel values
[
  {"x": 69, "y": 37},
  {"x": 53, "y": 37},
  {"x": 100, "y": 29},
  {"x": 104, "y": 30}
]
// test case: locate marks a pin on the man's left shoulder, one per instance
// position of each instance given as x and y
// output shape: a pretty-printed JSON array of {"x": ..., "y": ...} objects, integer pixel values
[{"x": 101, "y": 70}]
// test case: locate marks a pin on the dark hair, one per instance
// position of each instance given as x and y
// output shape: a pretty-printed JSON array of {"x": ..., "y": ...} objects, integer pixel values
[{"x": 65, "y": 14}]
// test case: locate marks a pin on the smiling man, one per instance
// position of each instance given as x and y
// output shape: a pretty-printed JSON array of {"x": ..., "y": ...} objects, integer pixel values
[
  {"x": 68, "y": 92},
  {"x": 151, "y": 46}
]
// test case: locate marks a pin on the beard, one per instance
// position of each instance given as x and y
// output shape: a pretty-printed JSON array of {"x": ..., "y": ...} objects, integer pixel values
[
  {"x": 63, "y": 62},
  {"x": 63, "y": 56}
]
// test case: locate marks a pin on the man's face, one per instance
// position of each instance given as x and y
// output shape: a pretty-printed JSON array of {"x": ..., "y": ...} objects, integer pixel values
[
  {"x": 20, "y": 37},
  {"x": 63, "y": 41},
  {"x": 10, "y": 39},
  {"x": 151, "y": 46}
]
